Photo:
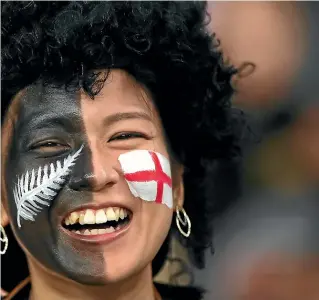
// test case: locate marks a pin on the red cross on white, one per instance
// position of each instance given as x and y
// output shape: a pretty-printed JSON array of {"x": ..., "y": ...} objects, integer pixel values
[{"x": 148, "y": 175}]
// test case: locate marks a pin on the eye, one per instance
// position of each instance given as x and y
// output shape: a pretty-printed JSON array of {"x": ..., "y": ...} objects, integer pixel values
[
  {"x": 127, "y": 136},
  {"x": 49, "y": 146}
]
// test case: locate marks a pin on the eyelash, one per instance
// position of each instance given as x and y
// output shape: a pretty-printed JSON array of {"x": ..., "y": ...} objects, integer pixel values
[
  {"x": 127, "y": 136},
  {"x": 118, "y": 137},
  {"x": 48, "y": 144}
]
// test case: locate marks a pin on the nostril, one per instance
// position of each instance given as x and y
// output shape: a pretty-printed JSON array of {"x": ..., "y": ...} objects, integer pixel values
[
  {"x": 79, "y": 183},
  {"x": 93, "y": 181},
  {"x": 82, "y": 185},
  {"x": 90, "y": 182}
]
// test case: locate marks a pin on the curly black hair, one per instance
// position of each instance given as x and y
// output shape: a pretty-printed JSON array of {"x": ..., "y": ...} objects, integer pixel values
[{"x": 166, "y": 46}]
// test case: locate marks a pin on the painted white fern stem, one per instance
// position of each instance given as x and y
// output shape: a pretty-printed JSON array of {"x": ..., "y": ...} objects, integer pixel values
[{"x": 38, "y": 188}]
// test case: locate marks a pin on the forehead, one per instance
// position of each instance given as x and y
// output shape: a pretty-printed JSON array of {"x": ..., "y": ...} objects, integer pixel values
[
  {"x": 120, "y": 92},
  {"x": 37, "y": 98}
]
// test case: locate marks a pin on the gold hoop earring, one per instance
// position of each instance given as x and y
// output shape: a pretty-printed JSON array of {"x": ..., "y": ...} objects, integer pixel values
[
  {"x": 185, "y": 221},
  {"x": 4, "y": 239}
]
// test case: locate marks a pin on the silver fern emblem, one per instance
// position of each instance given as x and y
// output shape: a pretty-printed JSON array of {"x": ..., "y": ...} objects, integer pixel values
[{"x": 34, "y": 190}]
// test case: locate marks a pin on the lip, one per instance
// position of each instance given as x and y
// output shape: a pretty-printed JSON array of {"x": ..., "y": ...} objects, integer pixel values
[{"x": 99, "y": 239}]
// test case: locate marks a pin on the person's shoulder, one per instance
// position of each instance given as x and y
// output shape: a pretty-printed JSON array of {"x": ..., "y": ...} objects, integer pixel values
[{"x": 172, "y": 292}]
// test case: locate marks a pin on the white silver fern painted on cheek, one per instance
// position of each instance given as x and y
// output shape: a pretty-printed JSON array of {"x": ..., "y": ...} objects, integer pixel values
[{"x": 40, "y": 187}]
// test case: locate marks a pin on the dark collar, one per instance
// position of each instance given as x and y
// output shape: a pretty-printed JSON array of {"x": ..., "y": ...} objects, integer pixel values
[
  {"x": 171, "y": 292},
  {"x": 167, "y": 292}
]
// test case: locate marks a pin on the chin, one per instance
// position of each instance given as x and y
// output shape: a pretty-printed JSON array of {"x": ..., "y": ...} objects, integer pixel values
[
  {"x": 117, "y": 271},
  {"x": 88, "y": 279},
  {"x": 100, "y": 280},
  {"x": 101, "y": 272}
]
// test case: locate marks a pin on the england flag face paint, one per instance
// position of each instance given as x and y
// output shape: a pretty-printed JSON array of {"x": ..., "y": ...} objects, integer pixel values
[{"x": 148, "y": 175}]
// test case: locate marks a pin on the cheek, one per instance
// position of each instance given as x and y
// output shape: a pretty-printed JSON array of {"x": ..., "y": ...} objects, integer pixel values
[
  {"x": 156, "y": 223},
  {"x": 36, "y": 187},
  {"x": 17, "y": 183},
  {"x": 163, "y": 226},
  {"x": 148, "y": 175}
]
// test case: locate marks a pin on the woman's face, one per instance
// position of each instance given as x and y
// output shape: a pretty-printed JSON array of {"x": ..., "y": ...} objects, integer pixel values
[{"x": 62, "y": 224}]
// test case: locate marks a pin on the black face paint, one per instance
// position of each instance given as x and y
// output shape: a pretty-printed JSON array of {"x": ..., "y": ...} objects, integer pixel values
[{"x": 53, "y": 115}]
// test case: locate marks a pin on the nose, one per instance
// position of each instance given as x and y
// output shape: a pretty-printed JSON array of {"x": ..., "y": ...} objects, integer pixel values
[{"x": 94, "y": 172}]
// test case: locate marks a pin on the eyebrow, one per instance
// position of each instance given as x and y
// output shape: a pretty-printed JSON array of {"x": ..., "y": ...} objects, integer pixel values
[
  {"x": 109, "y": 120},
  {"x": 36, "y": 121}
]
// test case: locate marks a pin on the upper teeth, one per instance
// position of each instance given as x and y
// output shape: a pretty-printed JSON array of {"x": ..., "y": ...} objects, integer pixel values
[{"x": 90, "y": 216}]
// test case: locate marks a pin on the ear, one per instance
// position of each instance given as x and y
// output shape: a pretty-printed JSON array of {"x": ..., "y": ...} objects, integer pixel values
[
  {"x": 178, "y": 185},
  {"x": 4, "y": 217},
  {"x": 6, "y": 136}
]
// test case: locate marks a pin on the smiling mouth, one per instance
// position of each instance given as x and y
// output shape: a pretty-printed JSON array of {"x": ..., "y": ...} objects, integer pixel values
[{"x": 91, "y": 222}]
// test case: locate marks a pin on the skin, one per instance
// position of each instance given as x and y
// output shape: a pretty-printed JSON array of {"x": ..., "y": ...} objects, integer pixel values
[{"x": 52, "y": 123}]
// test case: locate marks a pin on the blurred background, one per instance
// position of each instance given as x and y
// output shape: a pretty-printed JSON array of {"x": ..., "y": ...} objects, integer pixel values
[{"x": 275, "y": 45}]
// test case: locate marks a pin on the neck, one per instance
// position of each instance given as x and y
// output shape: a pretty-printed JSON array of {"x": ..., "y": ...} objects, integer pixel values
[{"x": 46, "y": 285}]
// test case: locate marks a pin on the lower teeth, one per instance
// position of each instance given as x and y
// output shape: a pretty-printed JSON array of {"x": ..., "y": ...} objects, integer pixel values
[{"x": 97, "y": 231}]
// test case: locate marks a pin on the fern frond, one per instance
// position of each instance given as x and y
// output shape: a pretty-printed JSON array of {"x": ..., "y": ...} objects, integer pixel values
[{"x": 32, "y": 191}]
